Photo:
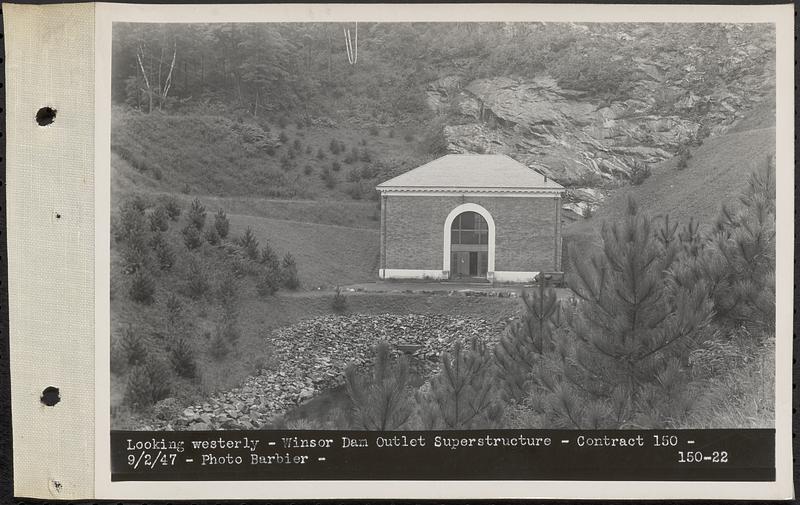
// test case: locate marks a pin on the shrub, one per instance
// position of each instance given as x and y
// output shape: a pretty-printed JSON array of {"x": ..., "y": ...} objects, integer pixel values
[
  {"x": 159, "y": 219},
  {"x": 391, "y": 133},
  {"x": 249, "y": 244},
  {"x": 196, "y": 280},
  {"x": 269, "y": 257},
  {"x": 365, "y": 155},
  {"x": 174, "y": 308},
  {"x": 197, "y": 214},
  {"x": 328, "y": 177},
  {"x": 296, "y": 145},
  {"x": 183, "y": 359},
  {"x": 283, "y": 122},
  {"x": 334, "y": 147},
  {"x": 192, "y": 237},
  {"x": 229, "y": 330},
  {"x": 339, "y": 302},
  {"x": 218, "y": 348},
  {"x": 373, "y": 130},
  {"x": 336, "y": 166},
  {"x": 639, "y": 172},
  {"x": 289, "y": 268},
  {"x": 130, "y": 224},
  {"x": 142, "y": 288},
  {"x": 684, "y": 155},
  {"x": 308, "y": 169},
  {"x": 462, "y": 395},
  {"x": 283, "y": 137},
  {"x": 320, "y": 154},
  {"x": 164, "y": 253},
  {"x": 135, "y": 255},
  {"x": 132, "y": 348},
  {"x": 211, "y": 236},
  {"x": 221, "y": 223},
  {"x": 286, "y": 164},
  {"x": 380, "y": 400},
  {"x": 268, "y": 282},
  {"x": 408, "y": 137},
  {"x": 147, "y": 384},
  {"x": 309, "y": 150},
  {"x": 172, "y": 208},
  {"x": 270, "y": 150},
  {"x": 228, "y": 292},
  {"x": 352, "y": 156}
]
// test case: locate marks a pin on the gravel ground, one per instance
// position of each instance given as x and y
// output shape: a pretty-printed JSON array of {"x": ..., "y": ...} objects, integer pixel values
[{"x": 311, "y": 357}]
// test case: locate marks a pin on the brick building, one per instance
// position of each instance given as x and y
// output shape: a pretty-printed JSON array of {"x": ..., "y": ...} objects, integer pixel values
[{"x": 469, "y": 217}]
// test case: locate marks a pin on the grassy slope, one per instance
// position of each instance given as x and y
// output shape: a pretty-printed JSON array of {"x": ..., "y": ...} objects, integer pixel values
[
  {"x": 717, "y": 172},
  {"x": 326, "y": 255},
  {"x": 211, "y": 155}
]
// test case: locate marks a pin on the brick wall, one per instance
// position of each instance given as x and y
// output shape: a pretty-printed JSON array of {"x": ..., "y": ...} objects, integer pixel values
[{"x": 526, "y": 233}]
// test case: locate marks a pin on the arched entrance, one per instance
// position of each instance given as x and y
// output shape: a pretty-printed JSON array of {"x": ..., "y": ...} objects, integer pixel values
[{"x": 469, "y": 235}]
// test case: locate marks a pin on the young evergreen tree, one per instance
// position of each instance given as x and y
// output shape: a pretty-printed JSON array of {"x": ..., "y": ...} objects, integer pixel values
[
  {"x": 380, "y": 400},
  {"x": 463, "y": 395},
  {"x": 521, "y": 348},
  {"x": 633, "y": 329},
  {"x": 249, "y": 244},
  {"x": 221, "y": 223},
  {"x": 197, "y": 214},
  {"x": 737, "y": 260},
  {"x": 289, "y": 272}
]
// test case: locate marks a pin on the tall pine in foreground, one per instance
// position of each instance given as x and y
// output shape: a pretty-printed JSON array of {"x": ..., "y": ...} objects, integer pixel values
[{"x": 633, "y": 328}]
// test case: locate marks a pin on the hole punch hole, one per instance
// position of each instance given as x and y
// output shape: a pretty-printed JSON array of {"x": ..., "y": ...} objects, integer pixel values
[
  {"x": 50, "y": 396},
  {"x": 45, "y": 116}
]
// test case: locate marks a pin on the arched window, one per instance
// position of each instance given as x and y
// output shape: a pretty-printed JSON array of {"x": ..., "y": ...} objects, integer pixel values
[{"x": 469, "y": 228}]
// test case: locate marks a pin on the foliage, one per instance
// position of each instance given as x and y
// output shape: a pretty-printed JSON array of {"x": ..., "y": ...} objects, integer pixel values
[
  {"x": 249, "y": 244},
  {"x": 211, "y": 236},
  {"x": 526, "y": 340},
  {"x": 639, "y": 172},
  {"x": 165, "y": 256},
  {"x": 218, "y": 347},
  {"x": 196, "y": 280},
  {"x": 221, "y": 223},
  {"x": 289, "y": 271},
  {"x": 159, "y": 219},
  {"x": 463, "y": 395},
  {"x": 130, "y": 350},
  {"x": 339, "y": 302},
  {"x": 192, "y": 237},
  {"x": 380, "y": 399},
  {"x": 147, "y": 383},
  {"x": 737, "y": 260},
  {"x": 183, "y": 359},
  {"x": 172, "y": 208},
  {"x": 142, "y": 288},
  {"x": 268, "y": 282},
  {"x": 197, "y": 214},
  {"x": 624, "y": 364}
]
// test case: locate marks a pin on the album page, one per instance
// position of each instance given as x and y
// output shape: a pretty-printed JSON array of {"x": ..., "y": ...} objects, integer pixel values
[{"x": 404, "y": 252}]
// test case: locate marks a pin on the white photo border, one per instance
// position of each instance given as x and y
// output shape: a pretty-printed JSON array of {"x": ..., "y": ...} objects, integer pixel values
[{"x": 780, "y": 15}]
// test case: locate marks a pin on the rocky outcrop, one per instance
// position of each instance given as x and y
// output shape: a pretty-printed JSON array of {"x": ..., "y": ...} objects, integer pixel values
[{"x": 583, "y": 140}]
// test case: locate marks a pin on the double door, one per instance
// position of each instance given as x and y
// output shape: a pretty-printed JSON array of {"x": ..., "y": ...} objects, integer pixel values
[{"x": 469, "y": 264}]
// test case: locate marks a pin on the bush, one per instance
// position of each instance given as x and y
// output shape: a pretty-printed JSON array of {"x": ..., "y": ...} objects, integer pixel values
[
  {"x": 296, "y": 145},
  {"x": 320, "y": 154},
  {"x": 218, "y": 348},
  {"x": 183, "y": 359},
  {"x": 639, "y": 172},
  {"x": 308, "y": 169},
  {"x": 334, "y": 147},
  {"x": 339, "y": 302},
  {"x": 164, "y": 253},
  {"x": 130, "y": 224},
  {"x": 289, "y": 267},
  {"x": 221, "y": 223},
  {"x": 408, "y": 137},
  {"x": 192, "y": 237},
  {"x": 268, "y": 282},
  {"x": 328, "y": 177},
  {"x": 147, "y": 384},
  {"x": 159, "y": 219},
  {"x": 352, "y": 156},
  {"x": 269, "y": 257},
  {"x": 211, "y": 236},
  {"x": 172, "y": 208},
  {"x": 196, "y": 280},
  {"x": 380, "y": 400},
  {"x": 228, "y": 293},
  {"x": 373, "y": 130},
  {"x": 336, "y": 166},
  {"x": 684, "y": 155},
  {"x": 283, "y": 137},
  {"x": 142, "y": 288},
  {"x": 249, "y": 244},
  {"x": 130, "y": 350},
  {"x": 197, "y": 214}
]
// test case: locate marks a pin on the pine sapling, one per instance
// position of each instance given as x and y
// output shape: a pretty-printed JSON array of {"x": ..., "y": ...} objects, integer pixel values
[{"x": 380, "y": 399}]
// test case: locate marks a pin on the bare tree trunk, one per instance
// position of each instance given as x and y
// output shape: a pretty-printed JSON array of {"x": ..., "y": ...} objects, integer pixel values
[{"x": 140, "y": 56}]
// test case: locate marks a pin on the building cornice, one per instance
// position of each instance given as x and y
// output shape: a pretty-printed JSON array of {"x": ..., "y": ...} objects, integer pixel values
[{"x": 454, "y": 191}]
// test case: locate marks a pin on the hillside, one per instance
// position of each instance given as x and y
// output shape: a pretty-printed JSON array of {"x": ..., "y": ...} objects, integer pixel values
[{"x": 715, "y": 174}]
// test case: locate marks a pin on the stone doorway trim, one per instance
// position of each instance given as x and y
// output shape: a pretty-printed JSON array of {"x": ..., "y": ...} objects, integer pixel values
[{"x": 448, "y": 223}]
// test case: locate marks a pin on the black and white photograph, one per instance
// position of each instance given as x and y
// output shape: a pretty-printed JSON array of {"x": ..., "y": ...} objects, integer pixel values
[{"x": 414, "y": 226}]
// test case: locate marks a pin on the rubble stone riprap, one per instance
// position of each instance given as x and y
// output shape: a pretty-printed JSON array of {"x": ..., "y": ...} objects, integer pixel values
[{"x": 311, "y": 357}]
